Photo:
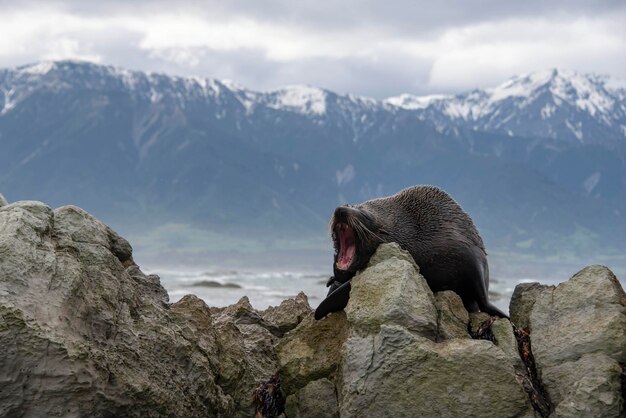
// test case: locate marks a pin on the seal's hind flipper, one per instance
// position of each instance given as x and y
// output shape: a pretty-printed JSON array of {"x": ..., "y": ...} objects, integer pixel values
[
  {"x": 491, "y": 309},
  {"x": 478, "y": 277},
  {"x": 336, "y": 300}
]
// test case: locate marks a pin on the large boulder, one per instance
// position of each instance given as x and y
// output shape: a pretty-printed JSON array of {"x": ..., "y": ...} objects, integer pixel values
[
  {"x": 392, "y": 292},
  {"x": 85, "y": 333},
  {"x": 311, "y": 351},
  {"x": 392, "y": 363},
  {"x": 578, "y": 333},
  {"x": 397, "y": 350}
]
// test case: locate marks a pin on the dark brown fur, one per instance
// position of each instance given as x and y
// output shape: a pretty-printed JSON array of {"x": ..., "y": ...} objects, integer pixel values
[{"x": 430, "y": 225}]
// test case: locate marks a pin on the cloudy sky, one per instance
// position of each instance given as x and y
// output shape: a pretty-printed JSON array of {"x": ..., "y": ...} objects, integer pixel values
[{"x": 366, "y": 47}]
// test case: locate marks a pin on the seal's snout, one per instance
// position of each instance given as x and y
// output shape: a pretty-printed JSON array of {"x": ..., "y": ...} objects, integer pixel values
[{"x": 342, "y": 213}]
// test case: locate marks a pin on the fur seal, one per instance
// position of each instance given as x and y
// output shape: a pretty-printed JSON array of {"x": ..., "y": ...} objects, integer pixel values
[{"x": 426, "y": 222}]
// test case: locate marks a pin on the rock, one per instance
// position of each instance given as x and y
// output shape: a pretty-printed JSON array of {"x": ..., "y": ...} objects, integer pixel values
[
  {"x": 247, "y": 355},
  {"x": 395, "y": 371},
  {"x": 289, "y": 314},
  {"x": 316, "y": 399},
  {"x": 522, "y": 302},
  {"x": 391, "y": 363},
  {"x": 247, "y": 319},
  {"x": 3, "y": 201},
  {"x": 583, "y": 315},
  {"x": 213, "y": 283},
  {"x": 311, "y": 351},
  {"x": 477, "y": 319},
  {"x": 504, "y": 337},
  {"x": 452, "y": 319},
  {"x": 85, "y": 333},
  {"x": 389, "y": 251},
  {"x": 578, "y": 334},
  {"x": 391, "y": 291},
  {"x": 587, "y": 387}
]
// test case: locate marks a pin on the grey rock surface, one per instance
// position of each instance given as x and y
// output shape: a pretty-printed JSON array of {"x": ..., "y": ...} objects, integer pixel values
[
  {"x": 395, "y": 371},
  {"x": 578, "y": 334},
  {"x": 311, "y": 351},
  {"x": 289, "y": 313},
  {"x": 391, "y": 363},
  {"x": 505, "y": 339},
  {"x": 587, "y": 387},
  {"x": 3, "y": 201},
  {"x": 389, "y": 251},
  {"x": 522, "y": 303},
  {"x": 476, "y": 320},
  {"x": 452, "y": 317},
  {"x": 246, "y": 351},
  {"x": 85, "y": 337},
  {"x": 85, "y": 333},
  {"x": 391, "y": 291},
  {"x": 318, "y": 399}
]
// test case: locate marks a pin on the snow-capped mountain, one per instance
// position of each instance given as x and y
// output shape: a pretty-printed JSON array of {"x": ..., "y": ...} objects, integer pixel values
[
  {"x": 539, "y": 161},
  {"x": 555, "y": 104}
]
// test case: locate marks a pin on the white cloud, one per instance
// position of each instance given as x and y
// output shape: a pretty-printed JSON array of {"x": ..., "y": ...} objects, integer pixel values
[
  {"x": 48, "y": 34},
  {"x": 363, "y": 56},
  {"x": 479, "y": 55},
  {"x": 279, "y": 43}
]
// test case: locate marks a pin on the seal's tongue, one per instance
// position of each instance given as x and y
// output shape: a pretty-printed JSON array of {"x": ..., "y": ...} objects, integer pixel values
[{"x": 347, "y": 249}]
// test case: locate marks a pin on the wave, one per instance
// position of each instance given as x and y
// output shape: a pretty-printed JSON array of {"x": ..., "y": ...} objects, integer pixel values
[{"x": 222, "y": 287}]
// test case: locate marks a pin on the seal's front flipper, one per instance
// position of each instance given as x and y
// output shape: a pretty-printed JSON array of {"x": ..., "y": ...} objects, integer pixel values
[{"x": 336, "y": 300}]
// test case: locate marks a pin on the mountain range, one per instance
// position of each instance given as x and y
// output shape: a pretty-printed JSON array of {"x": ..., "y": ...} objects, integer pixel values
[{"x": 538, "y": 161}]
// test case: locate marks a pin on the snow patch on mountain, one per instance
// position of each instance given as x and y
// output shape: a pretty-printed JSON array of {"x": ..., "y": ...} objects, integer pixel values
[
  {"x": 9, "y": 103},
  {"x": 301, "y": 99},
  {"x": 43, "y": 67},
  {"x": 540, "y": 104},
  {"x": 524, "y": 86},
  {"x": 557, "y": 104},
  {"x": 547, "y": 111},
  {"x": 408, "y": 101},
  {"x": 575, "y": 127},
  {"x": 591, "y": 182}
]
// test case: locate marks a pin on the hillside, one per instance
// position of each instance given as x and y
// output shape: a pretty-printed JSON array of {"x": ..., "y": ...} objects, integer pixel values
[{"x": 539, "y": 162}]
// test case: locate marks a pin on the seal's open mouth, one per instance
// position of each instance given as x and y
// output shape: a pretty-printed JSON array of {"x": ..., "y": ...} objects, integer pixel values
[{"x": 347, "y": 247}]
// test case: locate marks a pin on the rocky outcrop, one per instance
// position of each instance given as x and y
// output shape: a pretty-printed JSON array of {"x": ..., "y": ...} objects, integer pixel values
[
  {"x": 578, "y": 334},
  {"x": 403, "y": 350},
  {"x": 85, "y": 333}
]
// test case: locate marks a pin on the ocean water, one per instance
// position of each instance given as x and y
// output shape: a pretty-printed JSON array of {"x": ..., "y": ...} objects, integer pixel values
[{"x": 222, "y": 287}]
